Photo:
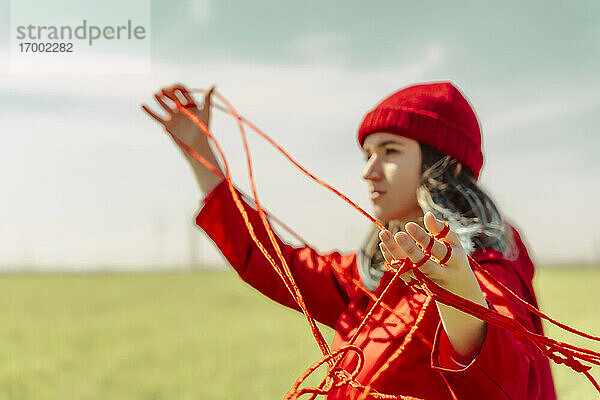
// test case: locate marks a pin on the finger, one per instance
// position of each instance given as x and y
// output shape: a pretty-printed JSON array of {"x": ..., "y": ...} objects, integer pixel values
[
  {"x": 414, "y": 253},
  {"x": 387, "y": 254},
  {"x": 207, "y": 101},
  {"x": 436, "y": 226},
  {"x": 189, "y": 101},
  {"x": 171, "y": 96},
  {"x": 153, "y": 115},
  {"x": 397, "y": 253},
  {"x": 180, "y": 87},
  {"x": 184, "y": 91},
  {"x": 388, "y": 239},
  {"x": 438, "y": 250},
  {"x": 163, "y": 104},
  {"x": 183, "y": 97},
  {"x": 179, "y": 95}
]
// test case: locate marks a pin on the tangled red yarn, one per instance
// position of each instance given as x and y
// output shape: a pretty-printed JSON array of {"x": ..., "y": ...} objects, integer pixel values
[{"x": 559, "y": 352}]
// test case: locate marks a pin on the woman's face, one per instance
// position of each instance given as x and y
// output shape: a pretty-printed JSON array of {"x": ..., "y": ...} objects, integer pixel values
[{"x": 393, "y": 171}]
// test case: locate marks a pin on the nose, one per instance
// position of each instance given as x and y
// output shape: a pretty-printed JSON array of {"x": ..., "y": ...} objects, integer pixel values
[{"x": 372, "y": 171}]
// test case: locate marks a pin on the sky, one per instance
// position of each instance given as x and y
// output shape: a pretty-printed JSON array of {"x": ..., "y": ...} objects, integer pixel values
[{"x": 92, "y": 183}]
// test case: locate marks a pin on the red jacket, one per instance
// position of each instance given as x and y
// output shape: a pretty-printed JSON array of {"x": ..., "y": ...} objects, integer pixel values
[{"x": 506, "y": 367}]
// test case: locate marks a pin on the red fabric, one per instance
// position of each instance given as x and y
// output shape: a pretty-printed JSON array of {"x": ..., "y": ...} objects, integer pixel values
[
  {"x": 436, "y": 114},
  {"x": 505, "y": 367}
]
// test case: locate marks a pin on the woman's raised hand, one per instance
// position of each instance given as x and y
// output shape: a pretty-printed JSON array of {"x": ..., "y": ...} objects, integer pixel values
[
  {"x": 176, "y": 122},
  {"x": 185, "y": 130},
  {"x": 453, "y": 276}
]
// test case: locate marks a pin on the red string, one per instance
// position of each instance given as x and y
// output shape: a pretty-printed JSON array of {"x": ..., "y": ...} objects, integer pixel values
[
  {"x": 398, "y": 351},
  {"x": 559, "y": 352},
  {"x": 283, "y": 271}
]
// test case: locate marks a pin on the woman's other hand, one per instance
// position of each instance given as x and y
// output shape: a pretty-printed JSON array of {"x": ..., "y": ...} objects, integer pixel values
[
  {"x": 465, "y": 332},
  {"x": 456, "y": 272}
]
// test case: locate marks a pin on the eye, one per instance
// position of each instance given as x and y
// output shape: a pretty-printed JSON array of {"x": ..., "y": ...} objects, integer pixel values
[
  {"x": 367, "y": 156},
  {"x": 390, "y": 150}
]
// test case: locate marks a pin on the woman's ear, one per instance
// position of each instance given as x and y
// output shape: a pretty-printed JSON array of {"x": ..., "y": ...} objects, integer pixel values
[{"x": 457, "y": 169}]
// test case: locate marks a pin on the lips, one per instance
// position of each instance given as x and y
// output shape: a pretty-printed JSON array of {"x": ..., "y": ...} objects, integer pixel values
[{"x": 376, "y": 194}]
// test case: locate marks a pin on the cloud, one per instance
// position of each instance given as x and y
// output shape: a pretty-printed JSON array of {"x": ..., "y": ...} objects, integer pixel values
[
  {"x": 254, "y": 84},
  {"x": 544, "y": 110},
  {"x": 200, "y": 10},
  {"x": 87, "y": 145},
  {"x": 109, "y": 173},
  {"x": 329, "y": 48}
]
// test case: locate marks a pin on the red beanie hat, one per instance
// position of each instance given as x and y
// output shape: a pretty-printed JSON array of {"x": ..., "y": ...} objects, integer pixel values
[{"x": 436, "y": 114}]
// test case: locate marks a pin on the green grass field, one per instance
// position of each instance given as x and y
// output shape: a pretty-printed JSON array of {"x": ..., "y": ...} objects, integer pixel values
[{"x": 202, "y": 335}]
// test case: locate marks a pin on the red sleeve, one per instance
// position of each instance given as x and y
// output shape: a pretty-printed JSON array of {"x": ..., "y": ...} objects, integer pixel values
[
  {"x": 506, "y": 367},
  {"x": 325, "y": 291}
]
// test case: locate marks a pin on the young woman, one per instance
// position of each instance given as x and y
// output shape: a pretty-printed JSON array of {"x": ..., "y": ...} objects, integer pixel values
[{"x": 422, "y": 147}]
